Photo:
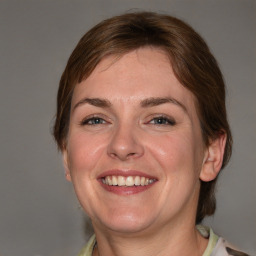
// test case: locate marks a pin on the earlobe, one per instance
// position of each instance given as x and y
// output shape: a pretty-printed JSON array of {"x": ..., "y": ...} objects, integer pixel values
[
  {"x": 66, "y": 165},
  {"x": 213, "y": 158}
]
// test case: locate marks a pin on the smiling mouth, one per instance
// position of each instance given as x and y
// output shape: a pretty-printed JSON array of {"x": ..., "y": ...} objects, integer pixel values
[{"x": 129, "y": 181}]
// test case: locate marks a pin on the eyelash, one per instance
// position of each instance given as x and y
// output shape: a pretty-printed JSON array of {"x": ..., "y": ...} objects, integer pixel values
[
  {"x": 163, "y": 121},
  {"x": 92, "y": 121},
  {"x": 159, "y": 120}
]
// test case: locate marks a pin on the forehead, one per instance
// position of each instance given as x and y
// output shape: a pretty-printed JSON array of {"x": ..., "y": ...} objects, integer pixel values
[{"x": 139, "y": 74}]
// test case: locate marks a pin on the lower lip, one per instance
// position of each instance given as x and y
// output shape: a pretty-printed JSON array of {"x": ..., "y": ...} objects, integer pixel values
[{"x": 123, "y": 190}]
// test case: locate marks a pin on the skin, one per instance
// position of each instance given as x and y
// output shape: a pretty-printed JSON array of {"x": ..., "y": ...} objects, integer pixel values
[{"x": 161, "y": 219}]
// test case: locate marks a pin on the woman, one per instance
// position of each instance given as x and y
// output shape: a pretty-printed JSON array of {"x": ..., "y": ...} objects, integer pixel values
[{"x": 141, "y": 123}]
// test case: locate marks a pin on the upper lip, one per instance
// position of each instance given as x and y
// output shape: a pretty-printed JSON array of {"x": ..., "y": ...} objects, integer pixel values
[{"x": 125, "y": 173}]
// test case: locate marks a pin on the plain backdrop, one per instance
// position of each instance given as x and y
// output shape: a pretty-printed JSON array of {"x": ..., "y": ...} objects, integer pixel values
[{"x": 39, "y": 213}]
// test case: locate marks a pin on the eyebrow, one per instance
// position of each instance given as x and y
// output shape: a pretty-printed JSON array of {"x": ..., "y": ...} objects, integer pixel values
[
  {"x": 149, "y": 102},
  {"x": 97, "y": 102}
]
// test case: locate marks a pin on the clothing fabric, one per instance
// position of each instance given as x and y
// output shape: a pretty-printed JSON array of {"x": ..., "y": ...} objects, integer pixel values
[{"x": 217, "y": 246}]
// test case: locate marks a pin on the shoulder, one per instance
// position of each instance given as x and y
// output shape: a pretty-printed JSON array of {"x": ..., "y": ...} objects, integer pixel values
[
  {"x": 218, "y": 246},
  {"x": 223, "y": 248}
]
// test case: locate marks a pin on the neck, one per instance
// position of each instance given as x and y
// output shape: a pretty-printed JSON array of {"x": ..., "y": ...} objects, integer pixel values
[{"x": 169, "y": 241}]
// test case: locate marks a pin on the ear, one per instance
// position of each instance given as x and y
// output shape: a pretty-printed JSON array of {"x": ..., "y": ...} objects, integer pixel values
[
  {"x": 213, "y": 158},
  {"x": 66, "y": 164}
]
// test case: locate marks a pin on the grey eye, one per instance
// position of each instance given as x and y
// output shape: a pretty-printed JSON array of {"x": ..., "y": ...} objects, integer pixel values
[
  {"x": 93, "y": 121},
  {"x": 162, "y": 121}
]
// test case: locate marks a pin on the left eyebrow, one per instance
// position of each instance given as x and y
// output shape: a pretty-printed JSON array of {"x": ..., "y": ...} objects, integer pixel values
[{"x": 151, "y": 102}]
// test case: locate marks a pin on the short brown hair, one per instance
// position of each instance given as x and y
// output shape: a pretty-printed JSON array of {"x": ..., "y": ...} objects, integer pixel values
[{"x": 192, "y": 62}]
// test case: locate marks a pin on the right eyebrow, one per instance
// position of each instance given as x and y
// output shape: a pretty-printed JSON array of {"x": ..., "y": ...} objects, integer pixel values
[{"x": 97, "y": 102}]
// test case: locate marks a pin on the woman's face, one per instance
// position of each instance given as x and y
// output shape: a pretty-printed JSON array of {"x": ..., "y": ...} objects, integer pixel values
[{"x": 134, "y": 148}]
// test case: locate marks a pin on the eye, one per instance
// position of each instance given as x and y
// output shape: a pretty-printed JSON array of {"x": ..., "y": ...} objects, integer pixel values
[
  {"x": 162, "y": 120},
  {"x": 93, "y": 121}
]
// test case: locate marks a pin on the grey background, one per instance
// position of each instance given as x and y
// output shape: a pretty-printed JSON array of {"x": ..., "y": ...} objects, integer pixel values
[{"x": 39, "y": 215}]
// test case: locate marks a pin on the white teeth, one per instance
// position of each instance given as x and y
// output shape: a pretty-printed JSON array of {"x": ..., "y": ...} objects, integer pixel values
[
  {"x": 109, "y": 180},
  {"x": 142, "y": 181},
  {"x": 120, "y": 180},
  {"x": 137, "y": 181},
  {"x": 114, "y": 180},
  {"x": 127, "y": 181}
]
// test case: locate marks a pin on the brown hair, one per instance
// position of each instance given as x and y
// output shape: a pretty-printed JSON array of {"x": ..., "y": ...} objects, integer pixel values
[{"x": 192, "y": 62}]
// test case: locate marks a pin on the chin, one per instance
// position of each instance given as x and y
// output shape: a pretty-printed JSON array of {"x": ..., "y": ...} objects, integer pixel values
[
  {"x": 127, "y": 227},
  {"x": 124, "y": 222}
]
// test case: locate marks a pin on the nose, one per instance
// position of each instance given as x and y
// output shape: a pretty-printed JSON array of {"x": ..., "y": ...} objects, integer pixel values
[{"x": 125, "y": 144}]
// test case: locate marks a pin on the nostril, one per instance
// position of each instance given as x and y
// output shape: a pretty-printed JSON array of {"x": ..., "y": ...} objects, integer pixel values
[
  {"x": 122, "y": 156},
  {"x": 124, "y": 145},
  {"x": 131, "y": 154}
]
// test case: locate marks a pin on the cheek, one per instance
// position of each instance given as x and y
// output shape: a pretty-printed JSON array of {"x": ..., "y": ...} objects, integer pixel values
[
  {"x": 172, "y": 150},
  {"x": 84, "y": 151},
  {"x": 175, "y": 157},
  {"x": 179, "y": 157}
]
